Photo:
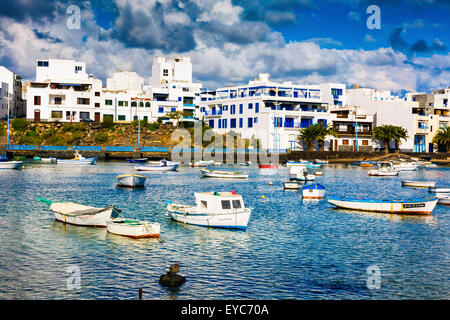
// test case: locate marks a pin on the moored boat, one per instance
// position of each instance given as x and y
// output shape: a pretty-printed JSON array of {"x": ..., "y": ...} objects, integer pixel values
[
  {"x": 78, "y": 159},
  {"x": 223, "y": 174},
  {"x": 313, "y": 191},
  {"x": 131, "y": 180},
  {"x": 140, "y": 160},
  {"x": 418, "y": 184},
  {"x": 292, "y": 185},
  {"x": 202, "y": 163},
  {"x": 268, "y": 166},
  {"x": 413, "y": 206},
  {"x": 385, "y": 169},
  {"x": 296, "y": 163},
  {"x": 48, "y": 160},
  {"x": 133, "y": 228},
  {"x": 439, "y": 190},
  {"x": 406, "y": 166},
  {"x": 213, "y": 209},
  {"x": 3, "y": 158},
  {"x": 162, "y": 165},
  {"x": 81, "y": 215},
  {"x": 443, "y": 198},
  {"x": 300, "y": 173},
  {"x": 11, "y": 164}
]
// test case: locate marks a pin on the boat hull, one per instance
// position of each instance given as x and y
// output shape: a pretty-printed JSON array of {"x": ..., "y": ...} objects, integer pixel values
[
  {"x": 380, "y": 173},
  {"x": 439, "y": 190},
  {"x": 291, "y": 185},
  {"x": 79, "y": 161},
  {"x": 313, "y": 193},
  {"x": 131, "y": 180},
  {"x": 94, "y": 220},
  {"x": 142, "y": 160},
  {"x": 11, "y": 164},
  {"x": 223, "y": 174},
  {"x": 268, "y": 166},
  {"x": 138, "y": 230},
  {"x": 238, "y": 220},
  {"x": 418, "y": 184},
  {"x": 157, "y": 168},
  {"x": 405, "y": 207}
]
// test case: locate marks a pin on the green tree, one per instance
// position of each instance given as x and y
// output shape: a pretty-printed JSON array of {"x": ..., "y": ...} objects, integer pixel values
[
  {"x": 443, "y": 137},
  {"x": 309, "y": 135},
  {"x": 324, "y": 131},
  {"x": 385, "y": 134}
]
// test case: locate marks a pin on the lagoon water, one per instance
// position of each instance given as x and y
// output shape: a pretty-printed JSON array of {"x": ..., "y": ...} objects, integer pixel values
[{"x": 292, "y": 249}]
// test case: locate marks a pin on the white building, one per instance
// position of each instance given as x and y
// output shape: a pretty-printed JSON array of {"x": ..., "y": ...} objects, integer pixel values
[
  {"x": 387, "y": 110},
  {"x": 63, "y": 91},
  {"x": 10, "y": 92},
  {"x": 269, "y": 111}
]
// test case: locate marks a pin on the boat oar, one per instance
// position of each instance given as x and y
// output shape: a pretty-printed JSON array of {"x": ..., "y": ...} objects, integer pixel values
[{"x": 45, "y": 201}]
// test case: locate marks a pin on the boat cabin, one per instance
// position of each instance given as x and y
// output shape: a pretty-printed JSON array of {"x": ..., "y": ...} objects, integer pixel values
[{"x": 222, "y": 202}]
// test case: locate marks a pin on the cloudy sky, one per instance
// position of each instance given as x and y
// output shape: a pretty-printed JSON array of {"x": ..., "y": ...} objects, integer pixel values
[{"x": 232, "y": 41}]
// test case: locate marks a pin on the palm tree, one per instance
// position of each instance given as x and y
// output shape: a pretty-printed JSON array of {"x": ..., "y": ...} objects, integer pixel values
[
  {"x": 443, "y": 137},
  {"x": 385, "y": 134},
  {"x": 324, "y": 130},
  {"x": 309, "y": 135},
  {"x": 400, "y": 133}
]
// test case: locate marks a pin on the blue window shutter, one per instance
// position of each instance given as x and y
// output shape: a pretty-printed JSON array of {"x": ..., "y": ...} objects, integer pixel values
[
  {"x": 241, "y": 122},
  {"x": 241, "y": 108},
  {"x": 179, "y": 98},
  {"x": 211, "y": 123},
  {"x": 257, "y": 107}
]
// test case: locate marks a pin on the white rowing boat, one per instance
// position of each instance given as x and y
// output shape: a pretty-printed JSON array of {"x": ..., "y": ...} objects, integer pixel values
[
  {"x": 313, "y": 191},
  {"x": 385, "y": 169},
  {"x": 131, "y": 180},
  {"x": 418, "y": 184},
  {"x": 78, "y": 159},
  {"x": 414, "y": 206},
  {"x": 223, "y": 174},
  {"x": 133, "y": 228},
  {"x": 443, "y": 198},
  {"x": 80, "y": 215},
  {"x": 438, "y": 190},
  {"x": 11, "y": 164},
  {"x": 162, "y": 165},
  {"x": 292, "y": 185},
  {"x": 213, "y": 209}
]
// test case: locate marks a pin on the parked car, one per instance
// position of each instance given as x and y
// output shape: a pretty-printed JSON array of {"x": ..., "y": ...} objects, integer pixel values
[{"x": 87, "y": 120}]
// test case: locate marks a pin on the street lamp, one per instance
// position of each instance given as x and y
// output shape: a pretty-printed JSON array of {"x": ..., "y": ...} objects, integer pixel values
[
  {"x": 356, "y": 126},
  {"x": 7, "y": 135}
]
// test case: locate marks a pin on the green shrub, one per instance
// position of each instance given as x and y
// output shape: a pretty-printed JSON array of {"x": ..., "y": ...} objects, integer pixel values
[
  {"x": 2, "y": 130},
  {"x": 56, "y": 141},
  {"x": 101, "y": 137},
  {"x": 108, "y": 122},
  {"x": 153, "y": 126},
  {"x": 20, "y": 124},
  {"x": 74, "y": 139}
]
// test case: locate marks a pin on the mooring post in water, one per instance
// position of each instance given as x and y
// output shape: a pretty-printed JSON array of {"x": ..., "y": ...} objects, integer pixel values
[{"x": 140, "y": 293}]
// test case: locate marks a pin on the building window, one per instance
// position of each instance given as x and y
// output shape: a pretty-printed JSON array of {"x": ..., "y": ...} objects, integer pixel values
[
  {"x": 147, "y": 104},
  {"x": 365, "y": 142},
  {"x": 304, "y": 123},
  {"x": 57, "y": 114},
  {"x": 97, "y": 104},
  {"x": 84, "y": 101},
  {"x": 257, "y": 107},
  {"x": 78, "y": 68},
  {"x": 42, "y": 63},
  {"x": 108, "y": 102},
  {"x": 232, "y": 123},
  {"x": 250, "y": 122},
  {"x": 345, "y": 142},
  {"x": 224, "y": 124},
  {"x": 123, "y": 103},
  {"x": 324, "y": 121},
  {"x": 84, "y": 115},
  {"x": 211, "y": 123},
  {"x": 133, "y": 103},
  {"x": 37, "y": 100},
  {"x": 289, "y": 122},
  {"x": 97, "y": 94},
  {"x": 233, "y": 109},
  {"x": 58, "y": 100},
  {"x": 278, "y": 122},
  {"x": 161, "y": 110},
  {"x": 165, "y": 72},
  {"x": 241, "y": 108},
  {"x": 250, "y": 106},
  {"x": 173, "y": 109},
  {"x": 220, "y": 123},
  {"x": 141, "y": 104},
  {"x": 241, "y": 122}
]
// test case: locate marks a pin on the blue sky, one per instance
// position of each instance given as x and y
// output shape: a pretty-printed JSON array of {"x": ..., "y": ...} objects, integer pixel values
[{"x": 231, "y": 41}]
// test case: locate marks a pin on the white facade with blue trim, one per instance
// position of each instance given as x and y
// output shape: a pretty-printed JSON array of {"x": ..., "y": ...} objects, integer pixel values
[{"x": 269, "y": 111}]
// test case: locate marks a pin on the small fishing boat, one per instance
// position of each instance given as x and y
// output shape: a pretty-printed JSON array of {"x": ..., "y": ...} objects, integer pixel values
[
  {"x": 297, "y": 163},
  {"x": 292, "y": 185},
  {"x": 133, "y": 228},
  {"x": 202, "y": 163},
  {"x": 80, "y": 215},
  {"x": 140, "y": 160},
  {"x": 247, "y": 163},
  {"x": 321, "y": 161},
  {"x": 131, "y": 180},
  {"x": 213, "y": 209},
  {"x": 418, "y": 184},
  {"x": 223, "y": 174},
  {"x": 268, "y": 166},
  {"x": 300, "y": 173},
  {"x": 3, "y": 158},
  {"x": 313, "y": 191},
  {"x": 385, "y": 169},
  {"x": 48, "y": 160},
  {"x": 406, "y": 166},
  {"x": 413, "y": 206},
  {"x": 318, "y": 173},
  {"x": 366, "y": 164},
  {"x": 11, "y": 164},
  {"x": 162, "y": 165},
  {"x": 438, "y": 190},
  {"x": 443, "y": 198},
  {"x": 78, "y": 159}
]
